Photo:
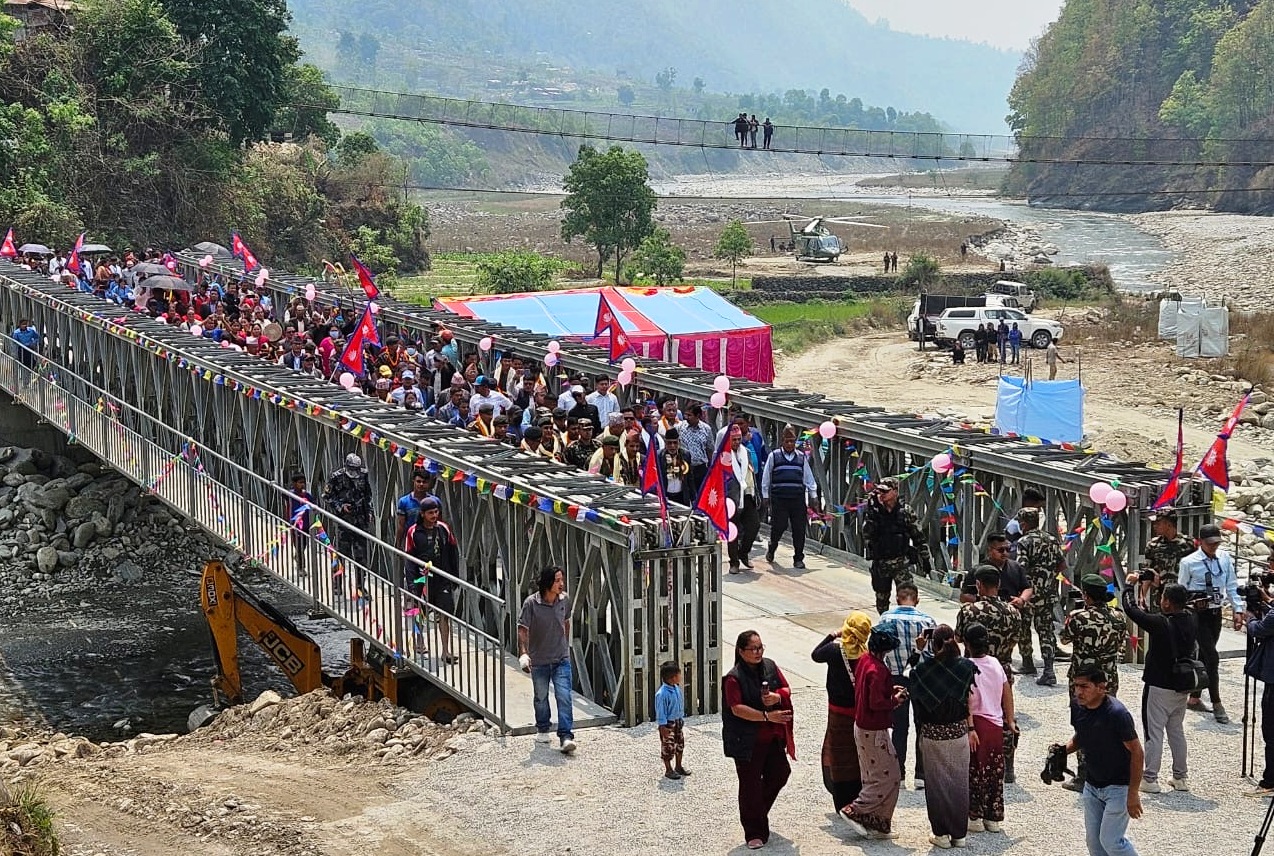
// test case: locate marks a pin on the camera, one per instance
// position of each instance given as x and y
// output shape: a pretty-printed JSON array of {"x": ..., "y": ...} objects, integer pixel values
[
  {"x": 1254, "y": 591},
  {"x": 1076, "y": 598},
  {"x": 1055, "y": 765},
  {"x": 1146, "y": 575}
]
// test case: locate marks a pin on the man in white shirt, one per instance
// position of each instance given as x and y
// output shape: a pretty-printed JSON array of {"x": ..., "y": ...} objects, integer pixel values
[
  {"x": 604, "y": 400},
  {"x": 486, "y": 395}
]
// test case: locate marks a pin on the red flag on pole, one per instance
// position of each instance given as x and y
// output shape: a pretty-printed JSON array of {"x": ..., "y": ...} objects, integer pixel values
[
  {"x": 240, "y": 250},
  {"x": 73, "y": 260},
  {"x": 365, "y": 278},
  {"x": 605, "y": 315},
  {"x": 650, "y": 481},
  {"x": 712, "y": 497},
  {"x": 7, "y": 249},
  {"x": 1169, "y": 494},
  {"x": 1214, "y": 466},
  {"x": 619, "y": 344},
  {"x": 365, "y": 334}
]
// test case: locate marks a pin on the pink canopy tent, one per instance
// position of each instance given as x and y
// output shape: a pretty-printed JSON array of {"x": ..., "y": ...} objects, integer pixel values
[{"x": 691, "y": 325}]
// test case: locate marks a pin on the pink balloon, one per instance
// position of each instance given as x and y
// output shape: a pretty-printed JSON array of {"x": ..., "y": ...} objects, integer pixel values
[
  {"x": 309, "y": 291},
  {"x": 196, "y": 330},
  {"x": 717, "y": 400},
  {"x": 624, "y": 378},
  {"x": 550, "y": 359},
  {"x": 171, "y": 265},
  {"x": 730, "y": 507},
  {"x": 1116, "y": 500},
  {"x": 721, "y": 384},
  {"x": 554, "y": 347},
  {"x": 205, "y": 261},
  {"x": 827, "y": 430},
  {"x": 485, "y": 343},
  {"x": 629, "y": 365},
  {"x": 732, "y": 533},
  {"x": 941, "y": 462},
  {"x": 225, "y": 343},
  {"x": 374, "y": 307},
  {"x": 1099, "y": 491},
  {"x": 347, "y": 380},
  {"x": 727, "y": 459}
]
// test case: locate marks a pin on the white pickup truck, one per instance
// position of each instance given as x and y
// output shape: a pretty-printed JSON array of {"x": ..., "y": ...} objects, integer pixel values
[{"x": 959, "y": 323}]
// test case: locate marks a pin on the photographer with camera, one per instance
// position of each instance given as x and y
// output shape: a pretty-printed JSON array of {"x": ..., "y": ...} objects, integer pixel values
[
  {"x": 1208, "y": 575},
  {"x": 1105, "y": 733},
  {"x": 1173, "y": 637},
  {"x": 1260, "y": 666}
]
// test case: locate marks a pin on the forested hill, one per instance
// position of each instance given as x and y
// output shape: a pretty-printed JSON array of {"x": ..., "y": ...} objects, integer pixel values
[
  {"x": 754, "y": 46},
  {"x": 1193, "y": 79}
]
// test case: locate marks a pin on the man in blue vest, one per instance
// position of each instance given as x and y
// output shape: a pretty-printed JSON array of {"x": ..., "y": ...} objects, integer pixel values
[{"x": 788, "y": 488}]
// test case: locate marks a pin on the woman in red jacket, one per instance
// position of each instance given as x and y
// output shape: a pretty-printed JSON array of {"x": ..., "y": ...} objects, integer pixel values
[
  {"x": 756, "y": 726},
  {"x": 875, "y": 697}
]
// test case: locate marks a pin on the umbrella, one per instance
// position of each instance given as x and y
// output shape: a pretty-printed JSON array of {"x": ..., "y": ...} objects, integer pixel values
[
  {"x": 150, "y": 269},
  {"x": 95, "y": 248},
  {"x": 35, "y": 250},
  {"x": 166, "y": 283},
  {"x": 208, "y": 248}
]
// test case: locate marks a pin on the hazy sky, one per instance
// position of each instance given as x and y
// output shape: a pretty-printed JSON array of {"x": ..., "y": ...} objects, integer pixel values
[{"x": 1003, "y": 23}]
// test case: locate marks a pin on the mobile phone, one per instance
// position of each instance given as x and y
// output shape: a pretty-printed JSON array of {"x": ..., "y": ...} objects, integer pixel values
[{"x": 927, "y": 633}]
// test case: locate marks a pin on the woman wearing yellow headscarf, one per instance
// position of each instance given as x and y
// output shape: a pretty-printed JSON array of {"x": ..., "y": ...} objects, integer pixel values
[{"x": 840, "y": 652}]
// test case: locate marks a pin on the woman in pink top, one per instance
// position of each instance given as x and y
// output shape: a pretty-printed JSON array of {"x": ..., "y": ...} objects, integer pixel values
[{"x": 991, "y": 705}]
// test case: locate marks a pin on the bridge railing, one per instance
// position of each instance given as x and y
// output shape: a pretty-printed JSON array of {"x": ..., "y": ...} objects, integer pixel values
[{"x": 172, "y": 468}]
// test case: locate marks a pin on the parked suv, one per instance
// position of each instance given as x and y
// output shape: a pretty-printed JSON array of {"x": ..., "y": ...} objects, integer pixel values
[
  {"x": 960, "y": 323},
  {"x": 1021, "y": 291}
]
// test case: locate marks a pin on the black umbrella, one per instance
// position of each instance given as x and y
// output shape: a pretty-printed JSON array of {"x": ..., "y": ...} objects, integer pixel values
[
  {"x": 208, "y": 248},
  {"x": 35, "y": 250}
]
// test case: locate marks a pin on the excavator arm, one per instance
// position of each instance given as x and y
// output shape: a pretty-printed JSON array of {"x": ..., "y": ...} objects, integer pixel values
[{"x": 228, "y": 606}]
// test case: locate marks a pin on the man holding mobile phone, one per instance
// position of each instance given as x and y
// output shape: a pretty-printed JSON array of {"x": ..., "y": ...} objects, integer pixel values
[{"x": 910, "y": 625}]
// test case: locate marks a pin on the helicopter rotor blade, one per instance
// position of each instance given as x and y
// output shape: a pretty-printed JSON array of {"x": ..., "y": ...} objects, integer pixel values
[{"x": 843, "y": 222}]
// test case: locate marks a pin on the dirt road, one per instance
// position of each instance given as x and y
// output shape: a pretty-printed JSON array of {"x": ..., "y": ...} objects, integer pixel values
[{"x": 1130, "y": 408}]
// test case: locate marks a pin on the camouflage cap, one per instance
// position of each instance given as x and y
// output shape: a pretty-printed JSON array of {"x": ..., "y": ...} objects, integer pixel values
[
  {"x": 1029, "y": 515},
  {"x": 986, "y": 574}
]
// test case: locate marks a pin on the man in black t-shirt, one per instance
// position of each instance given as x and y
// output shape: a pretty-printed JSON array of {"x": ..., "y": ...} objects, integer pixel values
[{"x": 1105, "y": 732}]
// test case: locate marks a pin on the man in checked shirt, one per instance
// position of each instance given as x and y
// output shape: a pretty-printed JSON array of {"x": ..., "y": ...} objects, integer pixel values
[
  {"x": 910, "y": 624},
  {"x": 697, "y": 442}
]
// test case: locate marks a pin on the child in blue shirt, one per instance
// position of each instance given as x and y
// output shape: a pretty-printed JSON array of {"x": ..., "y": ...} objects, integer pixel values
[{"x": 670, "y": 713}]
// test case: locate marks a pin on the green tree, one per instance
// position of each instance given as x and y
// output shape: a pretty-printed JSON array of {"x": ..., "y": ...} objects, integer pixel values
[
  {"x": 1187, "y": 107},
  {"x": 354, "y": 147},
  {"x": 921, "y": 269},
  {"x": 734, "y": 244},
  {"x": 514, "y": 271},
  {"x": 666, "y": 78},
  {"x": 659, "y": 258},
  {"x": 699, "y": 86},
  {"x": 309, "y": 99},
  {"x": 608, "y": 202},
  {"x": 625, "y": 95},
  {"x": 244, "y": 52}
]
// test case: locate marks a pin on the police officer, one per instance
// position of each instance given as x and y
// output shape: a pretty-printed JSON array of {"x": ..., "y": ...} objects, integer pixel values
[
  {"x": 1096, "y": 632},
  {"x": 1002, "y": 622},
  {"x": 894, "y": 542},
  {"x": 349, "y": 494},
  {"x": 1163, "y": 556},
  {"x": 1041, "y": 557}
]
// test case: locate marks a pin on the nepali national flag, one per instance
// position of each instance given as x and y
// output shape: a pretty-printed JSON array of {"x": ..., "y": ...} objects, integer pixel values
[
  {"x": 619, "y": 343},
  {"x": 73, "y": 261},
  {"x": 1214, "y": 466},
  {"x": 240, "y": 250},
  {"x": 365, "y": 279},
  {"x": 7, "y": 249},
  {"x": 1169, "y": 494},
  {"x": 650, "y": 481},
  {"x": 712, "y": 497},
  {"x": 365, "y": 334},
  {"x": 605, "y": 316}
]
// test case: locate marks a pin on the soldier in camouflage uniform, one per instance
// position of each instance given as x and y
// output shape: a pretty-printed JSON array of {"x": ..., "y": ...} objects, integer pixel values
[
  {"x": 1040, "y": 555},
  {"x": 1163, "y": 556},
  {"x": 1002, "y": 622},
  {"x": 894, "y": 542},
  {"x": 1097, "y": 632}
]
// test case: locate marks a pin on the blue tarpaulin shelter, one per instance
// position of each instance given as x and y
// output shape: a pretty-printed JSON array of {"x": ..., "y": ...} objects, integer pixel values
[{"x": 1048, "y": 410}]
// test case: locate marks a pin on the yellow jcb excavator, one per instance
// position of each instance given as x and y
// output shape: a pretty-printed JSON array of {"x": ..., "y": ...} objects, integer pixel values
[{"x": 228, "y": 605}]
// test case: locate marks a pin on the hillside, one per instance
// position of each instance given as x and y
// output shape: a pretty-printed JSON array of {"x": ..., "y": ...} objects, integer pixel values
[
  {"x": 469, "y": 48},
  {"x": 1188, "y": 79}
]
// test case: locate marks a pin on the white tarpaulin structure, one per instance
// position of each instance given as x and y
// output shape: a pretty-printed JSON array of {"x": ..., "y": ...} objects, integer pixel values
[
  {"x": 1171, "y": 310},
  {"x": 1205, "y": 334}
]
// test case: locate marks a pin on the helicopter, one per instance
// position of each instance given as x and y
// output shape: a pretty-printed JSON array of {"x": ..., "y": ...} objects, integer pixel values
[{"x": 814, "y": 242}]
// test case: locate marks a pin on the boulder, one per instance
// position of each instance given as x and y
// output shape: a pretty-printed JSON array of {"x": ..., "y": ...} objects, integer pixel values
[
  {"x": 81, "y": 507},
  {"x": 84, "y": 535},
  {"x": 27, "y": 462},
  {"x": 266, "y": 699},
  {"x": 14, "y": 479},
  {"x": 50, "y": 497},
  {"x": 46, "y": 559}
]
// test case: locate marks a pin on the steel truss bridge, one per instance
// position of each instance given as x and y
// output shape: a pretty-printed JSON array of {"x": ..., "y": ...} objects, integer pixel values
[{"x": 216, "y": 434}]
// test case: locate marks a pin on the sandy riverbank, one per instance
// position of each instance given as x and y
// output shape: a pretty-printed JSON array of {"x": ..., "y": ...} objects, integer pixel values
[{"x": 1217, "y": 255}]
